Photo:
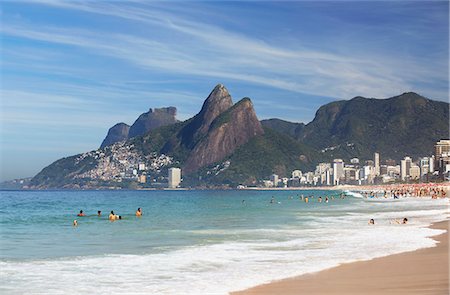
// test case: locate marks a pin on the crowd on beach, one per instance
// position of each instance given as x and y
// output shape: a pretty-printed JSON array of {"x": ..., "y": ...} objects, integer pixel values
[
  {"x": 112, "y": 216},
  {"x": 406, "y": 191}
]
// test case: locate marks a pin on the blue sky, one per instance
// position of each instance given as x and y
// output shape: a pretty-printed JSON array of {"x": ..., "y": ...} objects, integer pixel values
[{"x": 70, "y": 70}]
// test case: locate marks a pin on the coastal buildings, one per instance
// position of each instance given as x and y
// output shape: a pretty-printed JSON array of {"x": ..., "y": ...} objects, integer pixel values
[
  {"x": 376, "y": 160},
  {"x": 405, "y": 166},
  {"x": 428, "y": 168},
  {"x": 442, "y": 157},
  {"x": 338, "y": 171},
  {"x": 174, "y": 177},
  {"x": 274, "y": 179}
]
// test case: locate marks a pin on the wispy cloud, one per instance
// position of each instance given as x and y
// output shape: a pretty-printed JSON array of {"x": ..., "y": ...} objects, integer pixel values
[{"x": 206, "y": 50}]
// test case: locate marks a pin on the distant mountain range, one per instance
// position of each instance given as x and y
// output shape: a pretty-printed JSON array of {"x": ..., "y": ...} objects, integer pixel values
[
  {"x": 226, "y": 144},
  {"x": 145, "y": 123},
  {"x": 408, "y": 124}
]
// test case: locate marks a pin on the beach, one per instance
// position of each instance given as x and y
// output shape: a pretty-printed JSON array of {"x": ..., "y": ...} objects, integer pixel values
[
  {"x": 424, "y": 271},
  {"x": 206, "y": 242}
]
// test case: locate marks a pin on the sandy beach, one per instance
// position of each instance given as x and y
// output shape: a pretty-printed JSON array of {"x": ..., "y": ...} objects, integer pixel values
[{"x": 425, "y": 271}]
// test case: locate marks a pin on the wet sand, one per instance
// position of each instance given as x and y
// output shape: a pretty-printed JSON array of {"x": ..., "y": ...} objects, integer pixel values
[{"x": 423, "y": 272}]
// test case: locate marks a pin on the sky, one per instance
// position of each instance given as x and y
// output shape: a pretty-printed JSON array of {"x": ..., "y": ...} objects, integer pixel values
[{"x": 72, "y": 69}]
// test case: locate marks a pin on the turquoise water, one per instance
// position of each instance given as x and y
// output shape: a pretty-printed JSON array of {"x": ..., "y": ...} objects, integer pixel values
[{"x": 193, "y": 239}]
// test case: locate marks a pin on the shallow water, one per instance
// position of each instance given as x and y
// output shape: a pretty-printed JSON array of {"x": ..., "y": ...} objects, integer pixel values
[{"x": 193, "y": 242}]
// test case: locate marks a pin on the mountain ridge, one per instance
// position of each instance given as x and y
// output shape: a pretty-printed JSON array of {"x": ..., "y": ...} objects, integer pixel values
[{"x": 225, "y": 143}]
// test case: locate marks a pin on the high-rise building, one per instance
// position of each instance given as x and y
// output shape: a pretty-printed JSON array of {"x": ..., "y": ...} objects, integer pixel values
[
  {"x": 328, "y": 176},
  {"x": 274, "y": 179},
  {"x": 174, "y": 177},
  {"x": 376, "y": 160},
  {"x": 338, "y": 171},
  {"x": 442, "y": 156},
  {"x": 414, "y": 172},
  {"x": 405, "y": 165},
  {"x": 424, "y": 165},
  {"x": 431, "y": 163}
]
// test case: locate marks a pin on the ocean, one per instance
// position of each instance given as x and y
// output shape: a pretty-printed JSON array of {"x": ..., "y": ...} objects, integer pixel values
[{"x": 195, "y": 242}]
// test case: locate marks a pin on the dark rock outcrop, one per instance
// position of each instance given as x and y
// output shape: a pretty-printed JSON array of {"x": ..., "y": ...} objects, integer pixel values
[
  {"x": 118, "y": 132},
  {"x": 218, "y": 101},
  {"x": 229, "y": 130},
  {"x": 146, "y": 122},
  {"x": 153, "y": 119}
]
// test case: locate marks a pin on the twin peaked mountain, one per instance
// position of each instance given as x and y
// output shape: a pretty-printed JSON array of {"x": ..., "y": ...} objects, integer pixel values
[
  {"x": 210, "y": 136},
  {"x": 225, "y": 144}
]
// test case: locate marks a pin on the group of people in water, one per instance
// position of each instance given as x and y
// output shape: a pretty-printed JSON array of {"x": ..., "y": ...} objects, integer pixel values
[
  {"x": 392, "y": 221},
  {"x": 112, "y": 216},
  {"x": 306, "y": 199}
]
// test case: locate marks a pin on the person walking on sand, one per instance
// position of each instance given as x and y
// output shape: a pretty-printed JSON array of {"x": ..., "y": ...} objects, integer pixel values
[{"x": 139, "y": 212}]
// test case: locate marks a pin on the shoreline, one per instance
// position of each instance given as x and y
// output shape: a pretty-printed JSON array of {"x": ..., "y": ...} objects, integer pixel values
[{"x": 423, "y": 271}]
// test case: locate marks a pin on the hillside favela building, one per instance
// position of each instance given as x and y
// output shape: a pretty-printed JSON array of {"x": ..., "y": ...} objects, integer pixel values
[{"x": 376, "y": 170}]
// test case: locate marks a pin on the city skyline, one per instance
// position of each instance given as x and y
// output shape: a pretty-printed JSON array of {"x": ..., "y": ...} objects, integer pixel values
[{"x": 71, "y": 70}]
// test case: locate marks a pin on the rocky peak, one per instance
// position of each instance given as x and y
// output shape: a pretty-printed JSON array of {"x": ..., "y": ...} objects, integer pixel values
[
  {"x": 218, "y": 101},
  {"x": 152, "y": 120},
  {"x": 231, "y": 129},
  {"x": 146, "y": 122},
  {"x": 118, "y": 132}
]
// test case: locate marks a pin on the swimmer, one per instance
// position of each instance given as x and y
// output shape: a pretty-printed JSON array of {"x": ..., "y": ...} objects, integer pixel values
[
  {"x": 139, "y": 212},
  {"x": 112, "y": 216},
  {"x": 372, "y": 222},
  {"x": 75, "y": 222},
  {"x": 81, "y": 213},
  {"x": 99, "y": 213}
]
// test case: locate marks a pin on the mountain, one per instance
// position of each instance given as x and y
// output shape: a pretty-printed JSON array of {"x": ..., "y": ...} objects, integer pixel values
[
  {"x": 408, "y": 124},
  {"x": 209, "y": 138},
  {"x": 285, "y": 127},
  {"x": 225, "y": 144},
  {"x": 152, "y": 120},
  {"x": 118, "y": 132},
  {"x": 215, "y": 132},
  {"x": 146, "y": 122},
  {"x": 231, "y": 129}
]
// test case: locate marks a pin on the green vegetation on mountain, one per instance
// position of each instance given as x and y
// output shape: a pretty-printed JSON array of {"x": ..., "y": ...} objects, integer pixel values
[
  {"x": 225, "y": 144},
  {"x": 284, "y": 127},
  {"x": 408, "y": 124},
  {"x": 260, "y": 157}
]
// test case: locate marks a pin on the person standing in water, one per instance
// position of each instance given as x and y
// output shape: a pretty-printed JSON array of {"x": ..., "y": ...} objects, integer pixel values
[
  {"x": 112, "y": 216},
  {"x": 139, "y": 212}
]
